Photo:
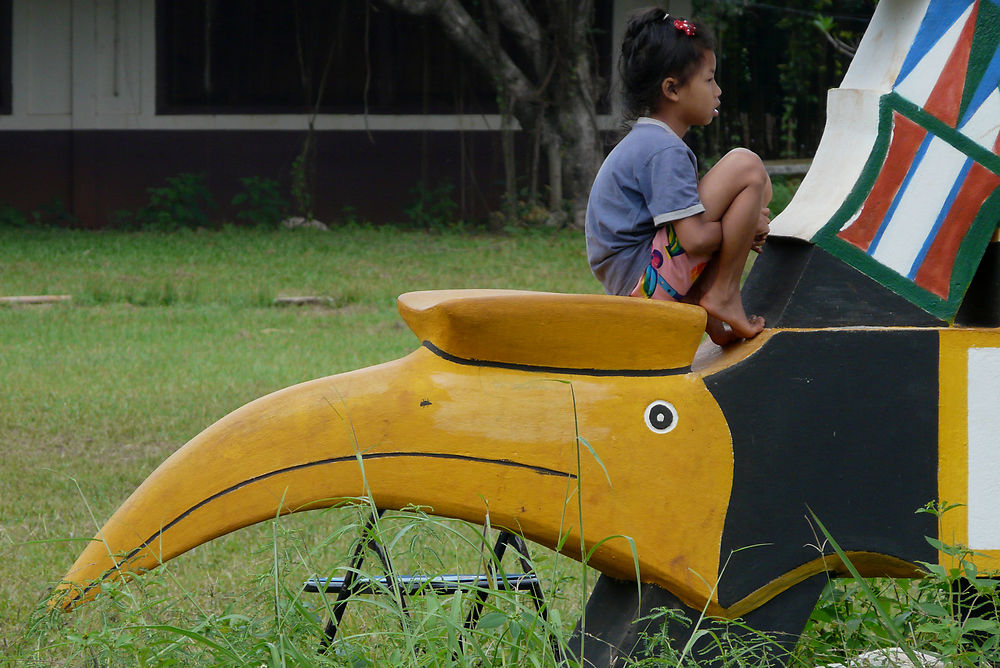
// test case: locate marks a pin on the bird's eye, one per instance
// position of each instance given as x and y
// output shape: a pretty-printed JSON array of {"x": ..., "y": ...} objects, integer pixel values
[{"x": 661, "y": 417}]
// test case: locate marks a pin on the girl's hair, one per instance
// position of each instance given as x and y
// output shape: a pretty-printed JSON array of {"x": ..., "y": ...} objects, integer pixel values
[{"x": 652, "y": 50}]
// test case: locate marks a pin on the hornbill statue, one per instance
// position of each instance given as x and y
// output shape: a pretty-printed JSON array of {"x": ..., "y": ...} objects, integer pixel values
[{"x": 870, "y": 394}]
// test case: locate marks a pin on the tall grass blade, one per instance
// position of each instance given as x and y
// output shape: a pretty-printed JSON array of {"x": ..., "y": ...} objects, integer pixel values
[
  {"x": 887, "y": 621},
  {"x": 198, "y": 638}
]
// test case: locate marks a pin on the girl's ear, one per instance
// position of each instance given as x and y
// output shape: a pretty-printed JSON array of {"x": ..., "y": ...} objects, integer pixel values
[{"x": 669, "y": 89}]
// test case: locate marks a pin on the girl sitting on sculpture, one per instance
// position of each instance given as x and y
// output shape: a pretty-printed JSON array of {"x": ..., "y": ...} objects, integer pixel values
[{"x": 653, "y": 229}]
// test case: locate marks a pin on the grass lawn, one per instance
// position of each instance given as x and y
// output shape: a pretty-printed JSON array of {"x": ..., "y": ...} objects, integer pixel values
[
  {"x": 164, "y": 335},
  {"x": 167, "y": 333}
]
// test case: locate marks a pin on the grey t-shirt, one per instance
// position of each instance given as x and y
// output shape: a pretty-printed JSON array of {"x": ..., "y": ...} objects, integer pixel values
[{"x": 650, "y": 178}]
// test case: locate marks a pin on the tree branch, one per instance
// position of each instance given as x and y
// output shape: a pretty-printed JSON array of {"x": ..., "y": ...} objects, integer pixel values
[
  {"x": 525, "y": 30},
  {"x": 825, "y": 25},
  {"x": 463, "y": 31},
  {"x": 839, "y": 46}
]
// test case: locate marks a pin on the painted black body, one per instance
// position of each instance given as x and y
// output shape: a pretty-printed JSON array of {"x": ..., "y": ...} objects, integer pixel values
[
  {"x": 610, "y": 640},
  {"x": 839, "y": 422},
  {"x": 981, "y": 305},
  {"x": 796, "y": 284}
]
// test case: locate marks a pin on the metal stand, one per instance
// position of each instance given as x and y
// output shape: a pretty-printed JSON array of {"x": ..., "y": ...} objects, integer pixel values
[{"x": 403, "y": 586}]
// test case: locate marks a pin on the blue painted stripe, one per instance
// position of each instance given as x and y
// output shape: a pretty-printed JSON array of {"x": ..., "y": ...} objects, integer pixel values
[
  {"x": 940, "y": 219},
  {"x": 917, "y": 159},
  {"x": 937, "y": 21}
]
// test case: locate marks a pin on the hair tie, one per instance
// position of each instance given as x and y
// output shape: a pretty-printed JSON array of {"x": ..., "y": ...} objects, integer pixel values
[{"x": 684, "y": 26}]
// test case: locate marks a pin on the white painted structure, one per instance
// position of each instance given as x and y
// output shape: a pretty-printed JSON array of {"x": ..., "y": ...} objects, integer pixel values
[
  {"x": 984, "y": 455},
  {"x": 852, "y": 119}
]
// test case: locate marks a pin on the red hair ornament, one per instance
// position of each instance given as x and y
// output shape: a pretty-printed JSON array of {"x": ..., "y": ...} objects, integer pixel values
[{"x": 685, "y": 27}]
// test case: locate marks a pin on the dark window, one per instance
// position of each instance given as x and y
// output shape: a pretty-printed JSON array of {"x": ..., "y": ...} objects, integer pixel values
[
  {"x": 5, "y": 46},
  {"x": 269, "y": 56},
  {"x": 239, "y": 56}
]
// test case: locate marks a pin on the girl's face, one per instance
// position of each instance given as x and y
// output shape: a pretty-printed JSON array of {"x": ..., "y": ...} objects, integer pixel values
[{"x": 698, "y": 98}]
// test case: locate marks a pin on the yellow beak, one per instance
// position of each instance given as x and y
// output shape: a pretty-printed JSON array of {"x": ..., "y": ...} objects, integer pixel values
[{"x": 463, "y": 437}]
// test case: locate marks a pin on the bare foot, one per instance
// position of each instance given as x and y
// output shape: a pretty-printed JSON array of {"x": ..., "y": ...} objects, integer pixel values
[
  {"x": 730, "y": 311},
  {"x": 720, "y": 333}
]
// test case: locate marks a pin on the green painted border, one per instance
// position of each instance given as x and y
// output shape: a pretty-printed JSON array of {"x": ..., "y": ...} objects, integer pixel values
[{"x": 974, "y": 244}]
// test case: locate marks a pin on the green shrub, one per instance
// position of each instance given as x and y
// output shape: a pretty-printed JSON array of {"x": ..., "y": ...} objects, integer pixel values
[
  {"x": 50, "y": 214},
  {"x": 260, "y": 202},
  {"x": 183, "y": 203},
  {"x": 524, "y": 212},
  {"x": 434, "y": 208},
  {"x": 11, "y": 217},
  {"x": 784, "y": 189}
]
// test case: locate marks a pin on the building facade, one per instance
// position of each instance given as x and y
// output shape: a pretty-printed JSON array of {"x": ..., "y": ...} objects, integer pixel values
[{"x": 102, "y": 99}]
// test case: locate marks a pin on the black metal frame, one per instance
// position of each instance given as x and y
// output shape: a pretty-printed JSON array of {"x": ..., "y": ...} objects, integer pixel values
[{"x": 402, "y": 586}]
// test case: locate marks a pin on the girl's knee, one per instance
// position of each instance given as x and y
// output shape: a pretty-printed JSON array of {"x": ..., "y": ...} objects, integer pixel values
[
  {"x": 738, "y": 171},
  {"x": 749, "y": 167},
  {"x": 749, "y": 171},
  {"x": 745, "y": 156}
]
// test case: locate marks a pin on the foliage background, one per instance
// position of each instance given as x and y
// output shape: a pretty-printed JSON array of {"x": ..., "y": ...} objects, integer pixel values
[{"x": 775, "y": 67}]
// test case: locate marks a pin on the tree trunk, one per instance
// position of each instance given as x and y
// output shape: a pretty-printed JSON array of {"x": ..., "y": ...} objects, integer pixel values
[
  {"x": 577, "y": 113},
  {"x": 580, "y": 156},
  {"x": 555, "y": 95},
  {"x": 553, "y": 152}
]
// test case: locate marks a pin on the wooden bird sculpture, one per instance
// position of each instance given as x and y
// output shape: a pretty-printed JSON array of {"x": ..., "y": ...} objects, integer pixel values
[{"x": 870, "y": 395}]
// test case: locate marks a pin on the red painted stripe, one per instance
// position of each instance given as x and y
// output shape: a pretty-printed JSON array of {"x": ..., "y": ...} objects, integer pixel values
[
  {"x": 935, "y": 272},
  {"x": 906, "y": 139},
  {"x": 946, "y": 98}
]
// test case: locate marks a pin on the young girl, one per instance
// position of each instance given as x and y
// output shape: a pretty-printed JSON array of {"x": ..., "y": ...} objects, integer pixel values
[{"x": 653, "y": 229}]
